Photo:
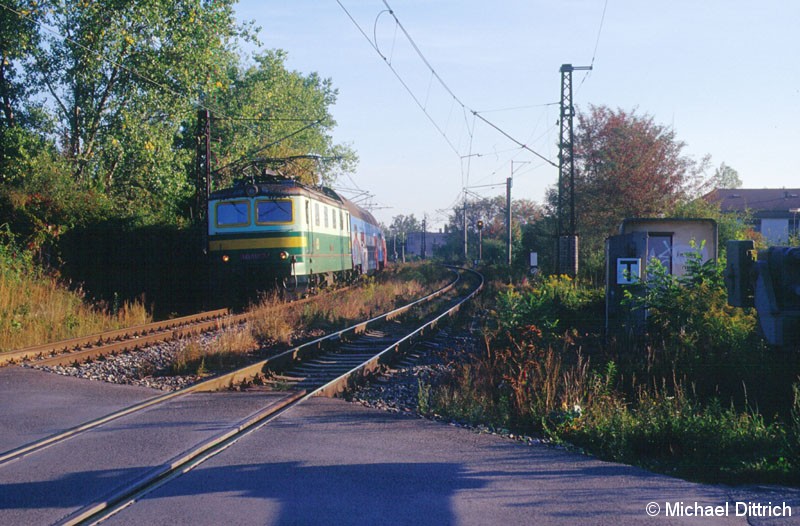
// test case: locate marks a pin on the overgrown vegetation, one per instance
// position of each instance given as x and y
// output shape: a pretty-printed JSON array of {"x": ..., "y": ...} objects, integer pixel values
[
  {"x": 36, "y": 307},
  {"x": 277, "y": 325},
  {"x": 697, "y": 395},
  {"x": 100, "y": 110}
]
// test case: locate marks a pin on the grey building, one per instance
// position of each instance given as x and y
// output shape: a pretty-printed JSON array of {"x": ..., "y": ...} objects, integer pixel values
[
  {"x": 775, "y": 211},
  {"x": 432, "y": 242}
]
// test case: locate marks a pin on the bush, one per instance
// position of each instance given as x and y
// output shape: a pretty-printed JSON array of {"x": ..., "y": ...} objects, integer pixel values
[
  {"x": 678, "y": 435},
  {"x": 532, "y": 376}
]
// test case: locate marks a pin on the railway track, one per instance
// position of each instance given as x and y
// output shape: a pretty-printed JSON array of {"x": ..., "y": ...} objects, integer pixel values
[
  {"x": 84, "y": 348},
  {"x": 322, "y": 367}
]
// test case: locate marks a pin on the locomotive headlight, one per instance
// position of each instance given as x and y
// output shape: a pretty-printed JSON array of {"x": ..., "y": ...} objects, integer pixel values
[
  {"x": 283, "y": 254},
  {"x": 225, "y": 258}
]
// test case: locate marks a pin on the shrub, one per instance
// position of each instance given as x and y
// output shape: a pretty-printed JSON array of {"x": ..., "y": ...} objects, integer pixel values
[{"x": 674, "y": 433}]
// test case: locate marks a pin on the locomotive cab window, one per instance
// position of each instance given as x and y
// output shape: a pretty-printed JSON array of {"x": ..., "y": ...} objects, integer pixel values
[
  {"x": 274, "y": 212},
  {"x": 233, "y": 213}
]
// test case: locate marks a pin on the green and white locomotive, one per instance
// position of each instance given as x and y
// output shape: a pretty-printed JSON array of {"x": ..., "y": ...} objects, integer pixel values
[{"x": 277, "y": 231}]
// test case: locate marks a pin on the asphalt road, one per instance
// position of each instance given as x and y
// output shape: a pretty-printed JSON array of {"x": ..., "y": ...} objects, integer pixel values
[
  {"x": 324, "y": 462},
  {"x": 35, "y": 404},
  {"x": 48, "y": 485},
  {"x": 331, "y": 462}
]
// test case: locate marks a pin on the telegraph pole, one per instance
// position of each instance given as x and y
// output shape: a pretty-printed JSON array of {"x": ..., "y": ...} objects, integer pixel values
[
  {"x": 508, "y": 210},
  {"x": 567, "y": 253},
  {"x": 508, "y": 216},
  {"x": 424, "y": 228},
  {"x": 466, "y": 256}
]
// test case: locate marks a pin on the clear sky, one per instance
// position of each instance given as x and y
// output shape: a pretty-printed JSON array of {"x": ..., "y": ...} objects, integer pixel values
[{"x": 724, "y": 74}]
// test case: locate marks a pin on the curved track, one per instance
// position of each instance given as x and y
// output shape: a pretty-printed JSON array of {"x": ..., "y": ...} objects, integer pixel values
[{"x": 322, "y": 367}]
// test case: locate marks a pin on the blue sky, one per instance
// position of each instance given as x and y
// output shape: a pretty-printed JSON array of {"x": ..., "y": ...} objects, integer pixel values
[{"x": 722, "y": 73}]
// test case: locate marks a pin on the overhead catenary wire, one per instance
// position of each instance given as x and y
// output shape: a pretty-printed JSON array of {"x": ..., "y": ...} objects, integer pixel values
[
  {"x": 434, "y": 75},
  {"x": 596, "y": 45}
]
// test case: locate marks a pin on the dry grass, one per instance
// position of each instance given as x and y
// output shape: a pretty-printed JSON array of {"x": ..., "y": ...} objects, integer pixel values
[
  {"x": 227, "y": 350},
  {"x": 277, "y": 321},
  {"x": 274, "y": 320},
  {"x": 38, "y": 309}
]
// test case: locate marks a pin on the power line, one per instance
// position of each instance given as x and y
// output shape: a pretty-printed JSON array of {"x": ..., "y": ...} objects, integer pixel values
[
  {"x": 434, "y": 75},
  {"x": 399, "y": 78},
  {"x": 596, "y": 45}
]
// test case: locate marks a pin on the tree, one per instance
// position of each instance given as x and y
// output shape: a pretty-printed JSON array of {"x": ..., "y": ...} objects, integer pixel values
[
  {"x": 269, "y": 115},
  {"x": 111, "y": 89},
  {"x": 626, "y": 166},
  {"x": 18, "y": 39},
  {"x": 725, "y": 177},
  {"x": 402, "y": 223},
  {"x": 120, "y": 80},
  {"x": 492, "y": 211}
]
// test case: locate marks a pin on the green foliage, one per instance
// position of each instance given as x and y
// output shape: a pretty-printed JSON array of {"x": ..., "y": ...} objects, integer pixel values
[
  {"x": 106, "y": 102},
  {"x": 553, "y": 304},
  {"x": 292, "y": 110},
  {"x": 674, "y": 433},
  {"x": 492, "y": 211},
  {"x": 619, "y": 405},
  {"x": 701, "y": 337},
  {"x": 15, "y": 262}
]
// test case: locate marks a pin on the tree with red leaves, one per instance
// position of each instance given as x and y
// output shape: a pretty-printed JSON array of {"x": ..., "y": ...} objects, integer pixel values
[{"x": 626, "y": 165}]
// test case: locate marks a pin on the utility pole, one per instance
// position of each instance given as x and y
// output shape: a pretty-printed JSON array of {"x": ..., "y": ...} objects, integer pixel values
[
  {"x": 424, "y": 229},
  {"x": 567, "y": 253},
  {"x": 202, "y": 163},
  {"x": 466, "y": 257},
  {"x": 508, "y": 216},
  {"x": 508, "y": 209},
  {"x": 480, "y": 240}
]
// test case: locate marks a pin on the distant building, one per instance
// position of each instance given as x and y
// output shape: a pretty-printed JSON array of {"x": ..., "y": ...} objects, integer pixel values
[
  {"x": 774, "y": 211},
  {"x": 433, "y": 241}
]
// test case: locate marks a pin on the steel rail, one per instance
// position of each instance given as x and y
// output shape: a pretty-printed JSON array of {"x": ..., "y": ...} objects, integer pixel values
[
  {"x": 81, "y": 349},
  {"x": 190, "y": 459},
  {"x": 103, "y": 338},
  {"x": 223, "y": 381}
]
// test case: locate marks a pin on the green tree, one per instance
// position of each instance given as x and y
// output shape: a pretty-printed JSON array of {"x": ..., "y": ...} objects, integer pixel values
[
  {"x": 271, "y": 116},
  {"x": 18, "y": 38},
  {"x": 726, "y": 177},
  {"x": 122, "y": 78},
  {"x": 405, "y": 223},
  {"x": 492, "y": 211}
]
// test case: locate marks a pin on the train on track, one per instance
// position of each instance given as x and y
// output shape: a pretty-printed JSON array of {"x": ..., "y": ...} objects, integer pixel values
[{"x": 274, "y": 231}]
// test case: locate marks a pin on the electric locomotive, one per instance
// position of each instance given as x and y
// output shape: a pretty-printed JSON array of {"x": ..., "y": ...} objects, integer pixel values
[{"x": 276, "y": 231}]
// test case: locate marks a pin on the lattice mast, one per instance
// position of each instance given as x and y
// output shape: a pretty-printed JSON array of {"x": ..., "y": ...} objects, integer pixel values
[{"x": 567, "y": 253}]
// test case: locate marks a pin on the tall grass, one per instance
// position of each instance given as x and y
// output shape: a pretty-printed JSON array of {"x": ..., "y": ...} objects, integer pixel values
[
  {"x": 226, "y": 351},
  {"x": 36, "y": 308},
  {"x": 276, "y": 324},
  {"x": 673, "y": 401}
]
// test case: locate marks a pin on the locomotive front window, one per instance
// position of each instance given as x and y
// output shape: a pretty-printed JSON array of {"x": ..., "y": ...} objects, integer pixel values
[
  {"x": 233, "y": 213},
  {"x": 274, "y": 212}
]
